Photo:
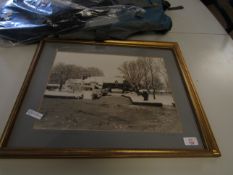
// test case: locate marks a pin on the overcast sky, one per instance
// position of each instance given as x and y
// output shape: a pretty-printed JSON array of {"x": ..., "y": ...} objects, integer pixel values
[{"x": 107, "y": 63}]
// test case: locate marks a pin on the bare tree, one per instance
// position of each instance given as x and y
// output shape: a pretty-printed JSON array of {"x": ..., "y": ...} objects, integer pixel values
[
  {"x": 62, "y": 72},
  {"x": 147, "y": 73},
  {"x": 94, "y": 71},
  {"x": 161, "y": 72},
  {"x": 145, "y": 67},
  {"x": 132, "y": 73}
]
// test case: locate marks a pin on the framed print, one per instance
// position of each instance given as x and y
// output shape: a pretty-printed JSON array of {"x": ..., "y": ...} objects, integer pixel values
[{"x": 107, "y": 99}]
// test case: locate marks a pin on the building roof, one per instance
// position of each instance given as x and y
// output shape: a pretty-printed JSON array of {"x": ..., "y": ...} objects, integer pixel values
[{"x": 99, "y": 80}]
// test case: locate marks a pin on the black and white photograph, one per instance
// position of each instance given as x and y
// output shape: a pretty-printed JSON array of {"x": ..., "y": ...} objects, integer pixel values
[
  {"x": 113, "y": 99},
  {"x": 99, "y": 92}
]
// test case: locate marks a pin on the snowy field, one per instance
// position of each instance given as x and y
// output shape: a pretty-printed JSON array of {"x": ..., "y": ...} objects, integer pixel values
[
  {"x": 109, "y": 113},
  {"x": 166, "y": 100}
]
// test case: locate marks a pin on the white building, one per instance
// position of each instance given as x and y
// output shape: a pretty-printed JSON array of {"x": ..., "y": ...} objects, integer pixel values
[{"x": 90, "y": 87}]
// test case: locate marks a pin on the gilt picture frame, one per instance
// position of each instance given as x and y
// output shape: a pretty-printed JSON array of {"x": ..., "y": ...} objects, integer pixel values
[{"x": 107, "y": 99}]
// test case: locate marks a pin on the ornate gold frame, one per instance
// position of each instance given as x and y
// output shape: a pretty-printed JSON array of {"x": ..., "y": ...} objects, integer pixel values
[{"x": 210, "y": 146}]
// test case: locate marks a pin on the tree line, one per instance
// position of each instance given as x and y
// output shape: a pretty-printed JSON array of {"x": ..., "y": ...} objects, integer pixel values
[{"x": 61, "y": 72}]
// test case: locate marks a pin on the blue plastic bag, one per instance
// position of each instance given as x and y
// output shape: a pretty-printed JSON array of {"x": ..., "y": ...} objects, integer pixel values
[{"x": 28, "y": 21}]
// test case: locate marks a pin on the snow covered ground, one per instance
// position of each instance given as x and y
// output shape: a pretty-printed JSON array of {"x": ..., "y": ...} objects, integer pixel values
[
  {"x": 166, "y": 100},
  {"x": 62, "y": 94}
]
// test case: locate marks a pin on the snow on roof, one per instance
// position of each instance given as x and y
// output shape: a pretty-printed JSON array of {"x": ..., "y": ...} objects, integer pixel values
[
  {"x": 52, "y": 84},
  {"x": 74, "y": 81},
  {"x": 99, "y": 80}
]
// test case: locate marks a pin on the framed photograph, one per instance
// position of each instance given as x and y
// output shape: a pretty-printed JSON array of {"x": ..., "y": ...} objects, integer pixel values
[{"x": 107, "y": 99}]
